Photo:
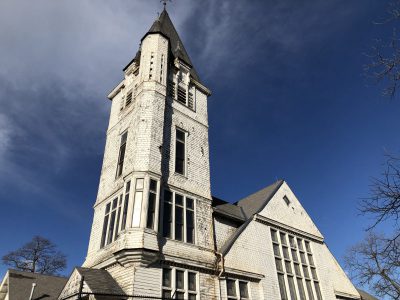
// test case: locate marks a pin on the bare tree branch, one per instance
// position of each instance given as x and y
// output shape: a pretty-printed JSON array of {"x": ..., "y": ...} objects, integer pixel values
[{"x": 37, "y": 256}]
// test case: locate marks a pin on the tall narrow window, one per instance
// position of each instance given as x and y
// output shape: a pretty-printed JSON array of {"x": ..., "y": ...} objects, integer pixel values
[
  {"x": 166, "y": 283},
  {"x": 231, "y": 289},
  {"x": 126, "y": 203},
  {"x": 151, "y": 210},
  {"x": 118, "y": 217},
  {"x": 137, "y": 206},
  {"x": 112, "y": 221},
  {"x": 180, "y": 152},
  {"x": 282, "y": 286},
  {"x": 121, "y": 157},
  {"x": 189, "y": 220},
  {"x": 105, "y": 225},
  {"x": 167, "y": 217},
  {"x": 179, "y": 217}
]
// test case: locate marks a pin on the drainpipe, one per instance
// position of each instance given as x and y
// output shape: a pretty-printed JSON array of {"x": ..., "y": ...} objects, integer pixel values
[
  {"x": 222, "y": 260},
  {"x": 32, "y": 290}
]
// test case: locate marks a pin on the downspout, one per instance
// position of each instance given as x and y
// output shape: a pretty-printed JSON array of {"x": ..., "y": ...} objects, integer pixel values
[
  {"x": 222, "y": 260},
  {"x": 32, "y": 290}
]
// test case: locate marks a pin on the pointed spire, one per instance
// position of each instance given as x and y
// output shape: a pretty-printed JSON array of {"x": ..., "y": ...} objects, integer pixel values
[{"x": 163, "y": 25}]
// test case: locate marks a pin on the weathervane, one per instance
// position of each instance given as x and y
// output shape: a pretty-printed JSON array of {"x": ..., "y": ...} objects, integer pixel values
[{"x": 164, "y": 2}]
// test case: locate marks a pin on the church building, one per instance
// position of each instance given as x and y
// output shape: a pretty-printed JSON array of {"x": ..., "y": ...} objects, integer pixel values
[{"x": 157, "y": 230}]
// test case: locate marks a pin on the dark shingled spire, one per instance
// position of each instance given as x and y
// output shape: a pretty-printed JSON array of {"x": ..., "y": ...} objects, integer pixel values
[{"x": 163, "y": 25}]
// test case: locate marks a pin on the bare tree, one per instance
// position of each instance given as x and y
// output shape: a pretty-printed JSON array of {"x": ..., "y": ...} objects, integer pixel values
[
  {"x": 384, "y": 202},
  {"x": 384, "y": 65},
  {"x": 37, "y": 256},
  {"x": 375, "y": 262}
]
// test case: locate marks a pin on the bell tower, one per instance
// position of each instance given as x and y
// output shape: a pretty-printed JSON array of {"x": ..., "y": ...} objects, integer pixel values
[{"x": 154, "y": 198}]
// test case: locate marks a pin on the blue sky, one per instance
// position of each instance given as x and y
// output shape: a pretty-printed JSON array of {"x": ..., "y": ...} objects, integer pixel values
[{"x": 289, "y": 101}]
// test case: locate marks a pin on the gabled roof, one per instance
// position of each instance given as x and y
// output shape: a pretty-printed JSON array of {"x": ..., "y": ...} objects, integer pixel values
[
  {"x": 100, "y": 281},
  {"x": 247, "y": 207},
  {"x": 18, "y": 285},
  {"x": 254, "y": 203}
]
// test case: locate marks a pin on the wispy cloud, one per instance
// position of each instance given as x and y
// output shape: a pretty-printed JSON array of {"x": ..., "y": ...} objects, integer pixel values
[{"x": 230, "y": 35}]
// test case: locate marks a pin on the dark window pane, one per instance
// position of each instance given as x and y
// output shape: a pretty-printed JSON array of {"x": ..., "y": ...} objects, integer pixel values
[
  {"x": 305, "y": 271},
  {"x": 318, "y": 290},
  {"x": 310, "y": 259},
  {"x": 274, "y": 235},
  {"x": 276, "y": 250},
  {"x": 108, "y": 208},
  {"x": 128, "y": 187},
  {"x": 153, "y": 185},
  {"x": 151, "y": 211},
  {"x": 292, "y": 242},
  {"x": 166, "y": 294},
  {"x": 178, "y": 199},
  {"x": 288, "y": 267},
  {"x": 314, "y": 273},
  {"x": 278, "y": 263},
  {"x": 300, "y": 244},
  {"x": 286, "y": 252},
  {"x": 111, "y": 228},
  {"x": 292, "y": 288},
  {"x": 167, "y": 220},
  {"x": 121, "y": 159},
  {"x": 178, "y": 223},
  {"x": 114, "y": 203},
  {"x": 180, "y": 157},
  {"x": 125, "y": 213},
  {"x": 192, "y": 281},
  {"x": 124, "y": 138},
  {"x": 179, "y": 295},
  {"x": 301, "y": 289},
  {"x": 117, "y": 225},
  {"x": 308, "y": 248},
  {"x": 180, "y": 135},
  {"x": 167, "y": 196},
  {"x": 192, "y": 297},
  {"x": 180, "y": 279},
  {"x": 244, "y": 293},
  {"x": 166, "y": 277},
  {"x": 294, "y": 255},
  {"x": 103, "y": 235},
  {"x": 189, "y": 203},
  {"x": 231, "y": 288},
  {"x": 283, "y": 238},
  {"x": 303, "y": 258},
  {"x": 309, "y": 290},
  {"x": 282, "y": 287},
  {"x": 189, "y": 226},
  {"x": 297, "y": 269}
]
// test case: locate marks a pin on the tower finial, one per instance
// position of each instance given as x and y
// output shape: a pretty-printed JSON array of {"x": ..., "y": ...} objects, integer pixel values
[{"x": 164, "y": 2}]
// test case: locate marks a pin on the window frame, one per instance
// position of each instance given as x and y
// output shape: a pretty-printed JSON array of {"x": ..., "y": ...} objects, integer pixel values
[
  {"x": 155, "y": 193},
  {"x": 302, "y": 272},
  {"x": 173, "y": 205},
  {"x": 184, "y": 162},
  {"x": 121, "y": 157},
  {"x": 238, "y": 295},
  {"x": 173, "y": 287}
]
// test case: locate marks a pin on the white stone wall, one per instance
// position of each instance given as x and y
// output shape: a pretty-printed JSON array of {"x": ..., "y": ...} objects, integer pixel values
[
  {"x": 252, "y": 251},
  {"x": 224, "y": 229}
]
